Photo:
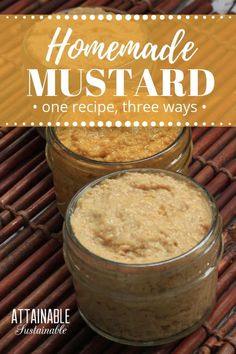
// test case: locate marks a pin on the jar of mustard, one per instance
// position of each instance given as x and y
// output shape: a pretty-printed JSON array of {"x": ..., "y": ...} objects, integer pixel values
[
  {"x": 143, "y": 248},
  {"x": 76, "y": 156}
]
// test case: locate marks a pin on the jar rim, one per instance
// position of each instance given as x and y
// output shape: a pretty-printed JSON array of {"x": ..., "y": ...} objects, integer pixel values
[
  {"x": 202, "y": 242},
  {"x": 52, "y": 132},
  {"x": 105, "y": 8}
]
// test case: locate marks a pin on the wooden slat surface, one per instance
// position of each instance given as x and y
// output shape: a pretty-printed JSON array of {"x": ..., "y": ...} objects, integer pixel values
[
  {"x": 32, "y": 270},
  {"x": 134, "y": 6}
]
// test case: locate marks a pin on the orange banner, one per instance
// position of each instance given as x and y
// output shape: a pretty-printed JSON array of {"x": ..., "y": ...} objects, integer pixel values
[{"x": 118, "y": 70}]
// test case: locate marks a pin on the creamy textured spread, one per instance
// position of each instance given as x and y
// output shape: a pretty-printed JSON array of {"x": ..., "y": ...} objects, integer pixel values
[
  {"x": 141, "y": 218},
  {"x": 117, "y": 144},
  {"x": 86, "y": 10}
]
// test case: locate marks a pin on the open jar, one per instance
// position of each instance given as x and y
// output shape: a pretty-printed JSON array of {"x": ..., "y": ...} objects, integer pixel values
[
  {"x": 151, "y": 303},
  {"x": 72, "y": 171}
]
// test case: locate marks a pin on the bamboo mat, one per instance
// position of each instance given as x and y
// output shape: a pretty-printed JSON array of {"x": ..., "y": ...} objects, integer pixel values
[
  {"x": 32, "y": 270},
  {"x": 131, "y": 6}
]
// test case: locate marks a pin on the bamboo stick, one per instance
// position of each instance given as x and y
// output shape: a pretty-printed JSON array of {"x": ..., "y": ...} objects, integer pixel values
[
  {"x": 140, "y": 7},
  {"x": 229, "y": 211},
  {"x": 221, "y": 181},
  {"x": 15, "y": 176},
  {"x": 95, "y": 3},
  {"x": 226, "y": 279},
  {"x": 227, "y": 348},
  {"x": 25, "y": 250},
  {"x": 227, "y": 195},
  {"x": 114, "y": 348},
  {"x": 164, "y": 349},
  {"x": 29, "y": 342},
  {"x": 231, "y": 239},
  {"x": 127, "y": 5},
  {"x": 78, "y": 341},
  {"x": 17, "y": 6},
  {"x": 115, "y": 3},
  {"x": 54, "y": 287},
  {"x": 70, "y": 4},
  {"x": 224, "y": 305},
  {"x": 31, "y": 9},
  {"x": 7, "y": 247},
  {"x": 205, "y": 8},
  {"x": 50, "y": 6},
  {"x": 25, "y": 152},
  {"x": 205, "y": 141},
  {"x": 10, "y": 137},
  {"x": 199, "y": 132},
  {"x": 213, "y": 150},
  {"x": 168, "y": 6},
  {"x": 31, "y": 282},
  {"x": 192, "y": 7},
  {"x": 213, "y": 342},
  {"x": 41, "y": 293},
  {"x": 98, "y": 342},
  {"x": 228, "y": 258},
  {"x": 17, "y": 144},
  {"x": 226, "y": 154},
  {"x": 28, "y": 198},
  {"x": 132, "y": 350},
  {"x": 53, "y": 343},
  {"x": 32, "y": 211},
  {"x": 5, "y": 4},
  {"x": 5, "y": 130},
  {"x": 27, "y": 182},
  {"x": 192, "y": 342}
]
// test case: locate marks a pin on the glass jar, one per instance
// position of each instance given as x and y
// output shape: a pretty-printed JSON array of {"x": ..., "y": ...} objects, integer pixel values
[
  {"x": 145, "y": 304},
  {"x": 72, "y": 171}
]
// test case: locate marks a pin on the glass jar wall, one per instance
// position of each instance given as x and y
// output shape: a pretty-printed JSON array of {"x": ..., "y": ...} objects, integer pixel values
[{"x": 145, "y": 304}]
